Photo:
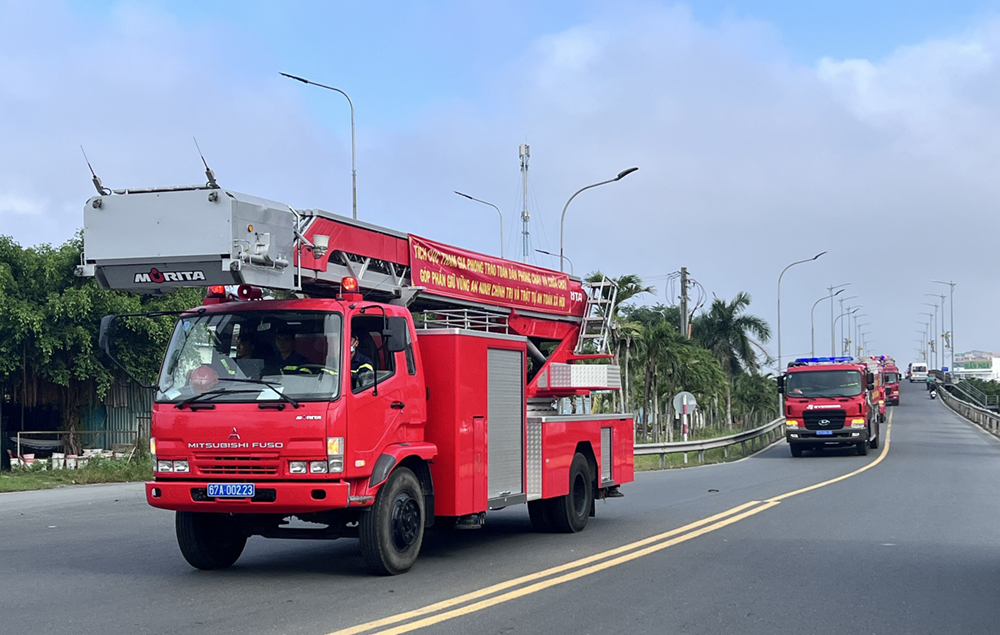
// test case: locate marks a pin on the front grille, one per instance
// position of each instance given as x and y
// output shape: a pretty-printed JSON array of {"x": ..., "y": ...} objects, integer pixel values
[
  {"x": 236, "y": 465},
  {"x": 824, "y": 419}
]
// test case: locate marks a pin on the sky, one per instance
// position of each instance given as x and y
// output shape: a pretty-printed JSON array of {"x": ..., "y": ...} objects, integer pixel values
[{"x": 764, "y": 133}]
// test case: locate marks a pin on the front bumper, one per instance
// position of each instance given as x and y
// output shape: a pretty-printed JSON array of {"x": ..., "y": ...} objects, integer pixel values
[
  {"x": 844, "y": 436},
  {"x": 271, "y": 497}
]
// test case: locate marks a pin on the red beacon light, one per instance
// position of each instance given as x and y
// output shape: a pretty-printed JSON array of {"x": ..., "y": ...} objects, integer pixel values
[
  {"x": 216, "y": 294},
  {"x": 349, "y": 289}
]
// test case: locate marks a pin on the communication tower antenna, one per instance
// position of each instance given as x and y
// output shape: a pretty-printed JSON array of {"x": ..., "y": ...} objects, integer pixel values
[{"x": 525, "y": 152}]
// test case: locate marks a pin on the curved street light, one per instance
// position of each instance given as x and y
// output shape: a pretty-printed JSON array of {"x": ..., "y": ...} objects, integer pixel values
[
  {"x": 354, "y": 161},
  {"x": 780, "y": 276},
  {"x": 472, "y": 198},
  {"x": 812, "y": 322},
  {"x": 562, "y": 219},
  {"x": 549, "y": 253},
  {"x": 951, "y": 320}
]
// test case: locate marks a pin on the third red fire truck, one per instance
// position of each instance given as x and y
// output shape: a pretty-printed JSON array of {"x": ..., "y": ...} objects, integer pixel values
[{"x": 404, "y": 383}]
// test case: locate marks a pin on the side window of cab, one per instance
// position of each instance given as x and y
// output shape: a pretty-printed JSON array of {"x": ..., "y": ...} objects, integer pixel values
[{"x": 369, "y": 357}]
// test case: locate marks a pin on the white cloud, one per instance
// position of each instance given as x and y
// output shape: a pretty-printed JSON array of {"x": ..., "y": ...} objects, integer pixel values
[
  {"x": 16, "y": 204},
  {"x": 747, "y": 160}
]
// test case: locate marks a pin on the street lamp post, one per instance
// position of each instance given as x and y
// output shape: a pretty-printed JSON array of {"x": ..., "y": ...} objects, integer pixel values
[
  {"x": 859, "y": 332},
  {"x": 354, "y": 155},
  {"x": 812, "y": 321},
  {"x": 562, "y": 219},
  {"x": 839, "y": 317},
  {"x": 940, "y": 333},
  {"x": 842, "y": 300},
  {"x": 780, "y": 276},
  {"x": 951, "y": 320},
  {"x": 548, "y": 253},
  {"x": 930, "y": 333},
  {"x": 934, "y": 330},
  {"x": 833, "y": 333},
  {"x": 472, "y": 198}
]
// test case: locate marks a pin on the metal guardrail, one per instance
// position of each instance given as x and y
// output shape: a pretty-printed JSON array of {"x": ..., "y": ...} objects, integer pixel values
[
  {"x": 770, "y": 433},
  {"x": 984, "y": 418}
]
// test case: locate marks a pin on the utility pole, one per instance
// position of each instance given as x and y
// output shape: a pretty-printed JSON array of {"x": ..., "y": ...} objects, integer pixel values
[
  {"x": 684, "y": 303},
  {"x": 525, "y": 152}
]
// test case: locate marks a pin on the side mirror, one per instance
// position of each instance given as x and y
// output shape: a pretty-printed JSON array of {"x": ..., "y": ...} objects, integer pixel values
[
  {"x": 394, "y": 335},
  {"x": 103, "y": 338},
  {"x": 781, "y": 384},
  {"x": 871, "y": 381}
]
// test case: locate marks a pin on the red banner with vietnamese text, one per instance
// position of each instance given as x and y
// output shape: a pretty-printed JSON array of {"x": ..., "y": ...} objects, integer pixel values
[{"x": 450, "y": 271}]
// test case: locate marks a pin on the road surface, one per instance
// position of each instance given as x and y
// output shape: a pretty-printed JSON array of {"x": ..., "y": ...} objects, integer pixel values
[{"x": 903, "y": 540}]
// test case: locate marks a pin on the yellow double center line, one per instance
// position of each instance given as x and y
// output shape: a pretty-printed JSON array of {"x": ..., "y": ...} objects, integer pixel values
[{"x": 534, "y": 582}]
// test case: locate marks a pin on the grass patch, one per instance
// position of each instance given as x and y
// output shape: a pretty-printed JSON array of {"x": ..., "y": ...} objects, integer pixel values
[
  {"x": 672, "y": 461},
  {"x": 98, "y": 470}
]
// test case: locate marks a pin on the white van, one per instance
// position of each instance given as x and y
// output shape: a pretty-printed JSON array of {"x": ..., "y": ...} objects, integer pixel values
[{"x": 918, "y": 372}]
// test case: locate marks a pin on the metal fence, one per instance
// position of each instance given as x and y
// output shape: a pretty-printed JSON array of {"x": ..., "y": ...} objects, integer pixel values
[
  {"x": 983, "y": 417},
  {"x": 758, "y": 439}
]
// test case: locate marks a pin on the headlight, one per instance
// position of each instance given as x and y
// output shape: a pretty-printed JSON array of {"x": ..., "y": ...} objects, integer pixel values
[
  {"x": 318, "y": 467},
  {"x": 181, "y": 466},
  {"x": 164, "y": 466},
  {"x": 297, "y": 467},
  {"x": 337, "y": 465}
]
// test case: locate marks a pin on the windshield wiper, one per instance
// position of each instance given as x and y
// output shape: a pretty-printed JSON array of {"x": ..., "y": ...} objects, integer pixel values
[
  {"x": 269, "y": 384},
  {"x": 211, "y": 394}
]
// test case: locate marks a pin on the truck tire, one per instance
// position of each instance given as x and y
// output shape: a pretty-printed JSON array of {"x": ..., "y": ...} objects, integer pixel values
[
  {"x": 392, "y": 529},
  {"x": 541, "y": 518},
  {"x": 862, "y": 448},
  {"x": 208, "y": 541},
  {"x": 873, "y": 442},
  {"x": 570, "y": 513},
  {"x": 796, "y": 449}
]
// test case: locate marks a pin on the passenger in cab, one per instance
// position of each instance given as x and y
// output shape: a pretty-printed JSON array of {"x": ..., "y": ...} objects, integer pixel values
[{"x": 362, "y": 370}]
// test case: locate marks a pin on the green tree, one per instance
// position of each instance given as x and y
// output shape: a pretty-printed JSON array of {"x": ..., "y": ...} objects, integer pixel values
[
  {"x": 728, "y": 332},
  {"x": 49, "y": 322}
]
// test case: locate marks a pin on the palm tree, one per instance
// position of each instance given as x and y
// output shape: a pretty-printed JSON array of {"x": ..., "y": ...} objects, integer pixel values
[{"x": 726, "y": 332}]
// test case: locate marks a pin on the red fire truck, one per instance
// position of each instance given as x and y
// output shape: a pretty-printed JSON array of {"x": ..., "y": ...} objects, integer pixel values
[
  {"x": 828, "y": 402},
  {"x": 890, "y": 379},
  {"x": 405, "y": 383}
]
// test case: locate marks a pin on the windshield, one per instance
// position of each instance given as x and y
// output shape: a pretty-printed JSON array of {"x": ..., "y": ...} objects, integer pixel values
[
  {"x": 919, "y": 368},
  {"x": 892, "y": 378},
  {"x": 824, "y": 383},
  {"x": 248, "y": 356}
]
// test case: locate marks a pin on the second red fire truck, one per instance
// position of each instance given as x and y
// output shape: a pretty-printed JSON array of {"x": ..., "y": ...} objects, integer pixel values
[
  {"x": 829, "y": 403},
  {"x": 405, "y": 383}
]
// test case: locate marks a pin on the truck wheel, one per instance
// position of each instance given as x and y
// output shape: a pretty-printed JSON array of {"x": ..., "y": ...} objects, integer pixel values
[
  {"x": 541, "y": 519},
  {"x": 796, "y": 449},
  {"x": 209, "y": 541},
  {"x": 569, "y": 513},
  {"x": 862, "y": 448},
  {"x": 392, "y": 529},
  {"x": 873, "y": 443}
]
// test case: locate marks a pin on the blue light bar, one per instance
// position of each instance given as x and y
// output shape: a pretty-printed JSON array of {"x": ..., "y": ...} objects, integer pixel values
[{"x": 823, "y": 360}]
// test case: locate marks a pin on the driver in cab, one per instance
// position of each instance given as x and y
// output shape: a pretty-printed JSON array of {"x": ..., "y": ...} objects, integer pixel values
[{"x": 288, "y": 359}]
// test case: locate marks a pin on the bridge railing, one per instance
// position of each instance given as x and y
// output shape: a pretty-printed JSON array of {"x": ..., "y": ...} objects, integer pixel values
[
  {"x": 983, "y": 417},
  {"x": 758, "y": 439}
]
